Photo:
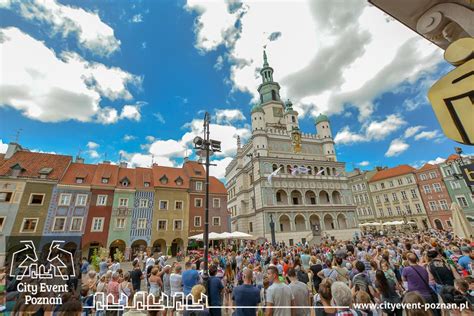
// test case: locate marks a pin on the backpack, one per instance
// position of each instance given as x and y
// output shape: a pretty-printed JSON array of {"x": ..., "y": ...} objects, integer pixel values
[
  {"x": 446, "y": 278},
  {"x": 302, "y": 276},
  {"x": 361, "y": 283}
]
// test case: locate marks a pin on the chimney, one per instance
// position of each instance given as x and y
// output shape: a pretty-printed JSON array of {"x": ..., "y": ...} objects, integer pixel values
[
  {"x": 155, "y": 164},
  {"x": 106, "y": 162},
  {"x": 79, "y": 159},
  {"x": 123, "y": 164},
  {"x": 12, "y": 149},
  {"x": 379, "y": 168},
  {"x": 186, "y": 159}
]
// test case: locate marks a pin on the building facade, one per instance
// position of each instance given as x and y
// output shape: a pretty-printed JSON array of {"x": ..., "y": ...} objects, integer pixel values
[
  {"x": 396, "y": 197},
  {"x": 435, "y": 196},
  {"x": 315, "y": 197},
  {"x": 456, "y": 186},
  {"x": 359, "y": 184},
  {"x": 97, "y": 222},
  {"x": 218, "y": 219}
]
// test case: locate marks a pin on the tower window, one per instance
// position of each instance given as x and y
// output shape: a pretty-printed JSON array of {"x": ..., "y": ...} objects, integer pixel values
[
  {"x": 293, "y": 119},
  {"x": 261, "y": 98},
  {"x": 273, "y": 95}
]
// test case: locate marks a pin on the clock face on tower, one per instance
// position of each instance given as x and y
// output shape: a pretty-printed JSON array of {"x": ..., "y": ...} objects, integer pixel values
[{"x": 277, "y": 112}]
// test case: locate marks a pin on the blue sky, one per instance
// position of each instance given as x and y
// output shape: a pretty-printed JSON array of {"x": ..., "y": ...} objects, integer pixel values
[{"x": 132, "y": 79}]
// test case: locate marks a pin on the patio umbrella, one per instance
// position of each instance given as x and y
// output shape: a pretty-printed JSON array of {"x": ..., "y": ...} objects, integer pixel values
[
  {"x": 212, "y": 236},
  {"x": 240, "y": 235},
  {"x": 226, "y": 235},
  {"x": 461, "y": 226},
  {"x": 197, "y": 237}
]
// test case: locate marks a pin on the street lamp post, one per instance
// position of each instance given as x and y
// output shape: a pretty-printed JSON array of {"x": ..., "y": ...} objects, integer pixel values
[
  {"x": 206, "y": 146},
  {"x": 272, "y": 230}
]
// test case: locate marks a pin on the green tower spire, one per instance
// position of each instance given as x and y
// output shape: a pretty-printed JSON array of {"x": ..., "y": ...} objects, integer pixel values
[{"x": 265, "y": 62}]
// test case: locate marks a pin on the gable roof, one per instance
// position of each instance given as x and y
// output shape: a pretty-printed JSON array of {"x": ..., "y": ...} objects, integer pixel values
[
  {"x": 194, "y": 169},
  {"x": 129, "y": 174},
  {"x": 452, "y": 157},
  {"x": 427, "y": 166},
  {"x": 106, "y": 171},
  {"x": 79, "y": 170},
  {"x": 33, "y": 162},
  {"x": 216, "y": 186},
  {"x": 143, "y": 175},
  {"x": 392, "y": 172},
  {"x": 172, "y": 174}
]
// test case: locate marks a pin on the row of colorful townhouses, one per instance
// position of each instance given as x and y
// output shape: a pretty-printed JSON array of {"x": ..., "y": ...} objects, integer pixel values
[
  {"x": 421, "y": 197},
  {"x": 106, "y": 205}
]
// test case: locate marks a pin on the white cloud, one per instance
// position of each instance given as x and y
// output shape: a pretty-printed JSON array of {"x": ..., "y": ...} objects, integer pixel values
[
  {"x": 397, "y": 146},
  {"x": 218, "y": 171},
  {"x": 93, "y": 154},
  {"x": 137, "y": 18},
  {"x": 167, "y": 148},
  {"x": 436, "y": 161},
  {"x": 3, "y": 147},
  {"x": 51, "y": 89},
  {"x": 219, "y": 63},
  {"x": 428, "y": 135},
  {"x": 159, "y": 117},
  {"x": 364, "y": 163},
  {"x": 145, "y": 160},
  {"x": 92, "y": 145},
  {"x": 131, "y": 112},
  {"x": 412, "y": 130},
  {"x": 337, "y": 55},
  {"x": 127, "y": 137},
  {"x": 150, "y": 139},
  {"x": 374, "y": 130},
  {"x": 91, "y": 32},
  {"x": 228, "y": 116}
]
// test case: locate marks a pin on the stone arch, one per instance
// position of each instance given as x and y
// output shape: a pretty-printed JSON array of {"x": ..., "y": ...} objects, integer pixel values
[
  {"x": 137, "y": 246},
  {"x": 310, "y": 170},
  {"x": 284, "y": 222},
  {"x": 281, "y": 197},
  {"x": 315, "y": 220},
  {"x": 288, "y": 169},
  {"x": 342, "y": 221},
  {"x": 324, "y": 197},
  {"x": 282, "y": 169},
  {"x": 328, "y": 222},
  {"x": 316, "y": 170},
  {"x": 296, "y": 197},
  {"x": 323, "y": 171},
  {"x": 328, "y": 170},
  {"x": 274, "y": 167},
  {"x": 438, "y": 224},
  {"x": 310, "y": 197},
  {"x": 300, "y": 223},
  {"x": 115, "y": 245},
  {"x": 334, "y": 171},
  {"x": 336, "y": 197},
  {"x": 176, "y": 246},
  {"x": 159, "y": 245}
]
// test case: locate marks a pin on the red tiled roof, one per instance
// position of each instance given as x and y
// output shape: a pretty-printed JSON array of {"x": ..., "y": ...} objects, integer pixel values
[
  {"x": 194, "y": 169},
  {"x": 79, "y": 170},
  {"x": 143, "y": 175},
  {"x": 392, "y": 172},
  {"x": 216, "y": 186},
  {"x": 452, "y": 157},
  {"x": 127, "y": 173},
  {"x": 106, "y": 171},
  {"x": 33, "y": 162},
  {"x": 427, "y": 166},
  {"x": 172, "y": 174},
  {"x": 2, "y": 160}
]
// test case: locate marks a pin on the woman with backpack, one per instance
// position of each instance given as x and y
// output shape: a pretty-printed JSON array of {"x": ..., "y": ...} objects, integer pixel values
[{"x": 441, "y": 273}]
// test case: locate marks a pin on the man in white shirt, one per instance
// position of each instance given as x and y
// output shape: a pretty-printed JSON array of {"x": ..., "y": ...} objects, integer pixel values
[{"x": 278, "y": 295}]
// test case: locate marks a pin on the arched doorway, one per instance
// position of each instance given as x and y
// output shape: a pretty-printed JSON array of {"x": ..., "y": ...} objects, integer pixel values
[
  {"x": 90, "y": 248},
  {"x": 323, "y": 197},
  {"x": 310, "y": 197},
  {"x": 137, "y": 246},
  {"x": 117, "y": 244},
  {"x": 284, "y": 223},
  {"x": 176, "y": 246},
  {"x": 336, "y": 197},
  {"x": 300, "y": 223},
  {"x": 438, "y": 224},
  {"x": 159, "y": 246},
  {"x": 341, "y": 221},
  {"x": 281, "y": 198},
  {"x": 314, "y": 220},
  {"x": 328, "y": 222},
  {"x": 296, "y": 198}
]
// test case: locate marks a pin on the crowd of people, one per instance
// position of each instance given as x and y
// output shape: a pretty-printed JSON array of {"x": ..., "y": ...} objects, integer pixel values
[{"x": 370, "y": 275}]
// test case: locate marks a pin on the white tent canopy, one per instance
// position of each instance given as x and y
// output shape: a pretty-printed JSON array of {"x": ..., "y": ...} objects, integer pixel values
[
  {"x": 225, "y": 235},
  {"x": 370, "y": 224},
  {"x": 240, "y": 235},
  {"x": 393, "y": 223},
  {"x": 212, "y": 236}
]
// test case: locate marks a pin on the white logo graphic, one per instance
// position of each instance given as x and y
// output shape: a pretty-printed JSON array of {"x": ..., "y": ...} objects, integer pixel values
[{"x": 56, "y": 262}]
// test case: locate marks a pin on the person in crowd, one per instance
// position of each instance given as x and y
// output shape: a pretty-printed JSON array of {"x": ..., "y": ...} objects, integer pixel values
[
  {"x": 388, "y": 292},
  {"x": 246, "y": 295},
  {"x": 415, "y": 300},
  {"x": 190, "y": 277},
  {"x": 300, "y": 293},
  {"x": 278, "y": 296},
  {"x": 136, "y": 276},
  {"x": 215, "y": 291},
  {"x": 342, "y": 297},
  {"x": 323, "y": 299}
]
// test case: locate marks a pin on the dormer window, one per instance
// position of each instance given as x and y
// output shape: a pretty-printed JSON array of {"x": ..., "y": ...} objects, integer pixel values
[
  {"x": 146, "y": 184},
  {"x": 16, "y": 170},
  {"x": 198, "y": 172},
  {"x": 79, "y": 180},
  {"x": 179, "y": 181},
  {"x": 44, "y": 172},
  {"x": 105, "y": 180},
  {"x": 163, "y": 180},
  {"x": 125, "y": 183}
]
